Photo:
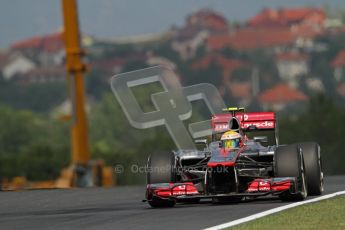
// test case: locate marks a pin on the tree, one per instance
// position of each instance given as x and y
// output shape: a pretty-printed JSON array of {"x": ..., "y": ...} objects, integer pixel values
[
  {"x": 241, "y": 74},
  {"x": 321, "y": 123},
  {"x": 31, "y": 145},
  {"x": 36, "y": 97},
  {"x": 212, "y": 74}
]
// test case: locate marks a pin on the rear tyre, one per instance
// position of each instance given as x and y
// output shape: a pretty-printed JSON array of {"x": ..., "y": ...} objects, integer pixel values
[
  {"x": 313, "y": 169},
  {"x": 289, "y": 162},
  {"x": 161, "y": 169}
]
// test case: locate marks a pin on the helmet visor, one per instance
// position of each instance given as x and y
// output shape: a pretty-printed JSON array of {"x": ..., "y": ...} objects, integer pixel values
[{"x": 230, "y": 144}]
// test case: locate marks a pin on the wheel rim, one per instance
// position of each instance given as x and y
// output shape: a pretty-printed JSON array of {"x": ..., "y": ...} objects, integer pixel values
[
  {"x": 321, "y": 173},
  {"x": 304, "y": 187},
  {"x": 321, "y": 181}
]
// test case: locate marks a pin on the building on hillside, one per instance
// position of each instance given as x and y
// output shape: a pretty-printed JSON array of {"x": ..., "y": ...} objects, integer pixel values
[
  {"x": 42, "y": 75},
  {"x": 306, "y": 22},
  {"x": 207, "y": 19},
  {"x": 48, "y": 43},
  {"x": 239, "y": 90},
  {"x": 281, "y": 96},
  {"x": 292, "y": 65},
  {"x": 46, "y": 50},
  {"x": 196, "y": 30},
  {"x": 253, "y": 38},
  {"x": 293, "y": 17},
  {"x": 277, "y": 29},
  {"x": 226, "y": 64},
  {"x": 15, "y": 63}
]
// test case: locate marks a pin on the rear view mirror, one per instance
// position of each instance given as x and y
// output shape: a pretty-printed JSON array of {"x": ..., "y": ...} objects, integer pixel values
[
  {"x": 201, "y": 144},
  {"x": 262, "y": 139}
]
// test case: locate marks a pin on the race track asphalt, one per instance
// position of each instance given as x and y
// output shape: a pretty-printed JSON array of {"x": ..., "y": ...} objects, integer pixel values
[{"x": 121, "y": 208}]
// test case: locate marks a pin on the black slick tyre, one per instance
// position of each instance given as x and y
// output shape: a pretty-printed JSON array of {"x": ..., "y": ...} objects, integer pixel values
[
  {"x": 313, "y": 168},
  {"x": 161, "y": 169},
  {"x": 289, "y": 162}
]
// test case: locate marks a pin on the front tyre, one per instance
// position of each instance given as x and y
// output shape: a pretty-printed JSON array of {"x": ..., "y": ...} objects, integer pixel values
[
  {"x": 161, "y": 169},
  {"x": 289, "y": 162},
  {"x": 161, "y": 203}
]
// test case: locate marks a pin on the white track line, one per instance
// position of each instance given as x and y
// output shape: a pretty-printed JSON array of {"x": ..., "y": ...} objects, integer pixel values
[{"x": 274, "y": 210}]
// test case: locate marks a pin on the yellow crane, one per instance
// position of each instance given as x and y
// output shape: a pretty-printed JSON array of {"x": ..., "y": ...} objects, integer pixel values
[
  {"x": 82, "y": 172},
  {"x": 76, "y": 68}
]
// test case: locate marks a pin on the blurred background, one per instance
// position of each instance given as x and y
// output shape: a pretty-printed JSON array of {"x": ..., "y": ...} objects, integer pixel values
[{"x": 283, "y": 56}]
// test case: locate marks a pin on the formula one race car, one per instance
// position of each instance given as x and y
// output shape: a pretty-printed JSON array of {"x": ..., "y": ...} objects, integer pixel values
[{"x": 236, "y": 165}]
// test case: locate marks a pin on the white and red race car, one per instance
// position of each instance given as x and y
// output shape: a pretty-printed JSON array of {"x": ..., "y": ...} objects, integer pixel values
[{"x": 257, "y": 168}]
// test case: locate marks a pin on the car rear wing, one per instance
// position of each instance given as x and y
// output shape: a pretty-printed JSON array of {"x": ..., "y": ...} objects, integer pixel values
[{"x": 246, "y": 122}]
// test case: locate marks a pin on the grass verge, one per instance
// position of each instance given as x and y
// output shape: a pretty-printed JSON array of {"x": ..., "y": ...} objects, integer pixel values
[{"x": 326, "y": 214}]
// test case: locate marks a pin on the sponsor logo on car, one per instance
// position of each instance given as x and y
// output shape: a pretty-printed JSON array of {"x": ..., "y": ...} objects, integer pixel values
[{"x": 259, "y": 125}]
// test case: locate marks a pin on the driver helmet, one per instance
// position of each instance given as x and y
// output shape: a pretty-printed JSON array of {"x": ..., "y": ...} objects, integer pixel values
[{"x": 231, "y": 140}]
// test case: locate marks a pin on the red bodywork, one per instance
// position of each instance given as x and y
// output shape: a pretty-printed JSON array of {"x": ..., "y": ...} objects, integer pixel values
[
  {"x": 273, "y": 185},
  {"x": 166, "y": 190},
  {"x": 185, "y": 190},
  {"x": 261, "y": 120}
]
